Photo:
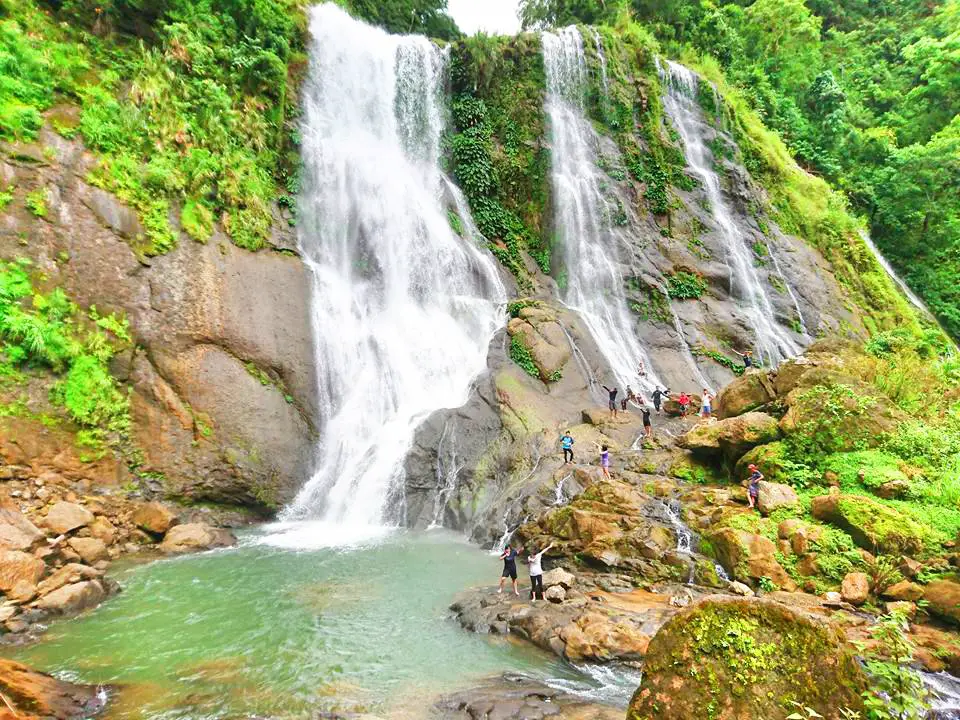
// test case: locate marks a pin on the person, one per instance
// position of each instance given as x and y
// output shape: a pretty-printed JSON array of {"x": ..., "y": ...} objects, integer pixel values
[
  {"x": 536, "y": 573},
  {"x": 604, "y": 459},
  {"x": 705, "y": 404},
  {"x": 753, "y": 489},
  {"x": 658, "y": 396},
  {"x": 747, "y": 358},
  {"x": 630, "y": 396},
  {"x": 509, "y": 557},
  {"x": 642, "y": 370},
  {"x": 612, "y": 392},
  {"x": 566, "y": 442},
  {"x": 647, "y": 427},
  {"x": 684, "y": 401}
]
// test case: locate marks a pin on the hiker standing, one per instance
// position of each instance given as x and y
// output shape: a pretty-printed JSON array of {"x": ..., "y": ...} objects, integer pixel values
[
  {"x": 647, "y": 427},
  {"x": 509, "y": 557},
  {"x": 604, "y": 459},
  {"x": 684, "y": 401},
  {"x": 612, "y": 392},
  {"x": 753, "y": 488},
  {"x": 705, "y": 404},
  {"x": 747, "y": 356},
  {"x": 566, "y": 442},
  {"x": 536, "y": 573},
  {"x": 658, "y": 396},
  {"x": 630, "y": 396}
]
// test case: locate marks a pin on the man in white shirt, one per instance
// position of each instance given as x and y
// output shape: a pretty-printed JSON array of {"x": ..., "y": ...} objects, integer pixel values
[{"x": 536, "y": 573}]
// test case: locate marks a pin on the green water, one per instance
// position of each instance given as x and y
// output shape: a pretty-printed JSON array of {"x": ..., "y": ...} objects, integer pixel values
[{"x": 278, "y": 632}]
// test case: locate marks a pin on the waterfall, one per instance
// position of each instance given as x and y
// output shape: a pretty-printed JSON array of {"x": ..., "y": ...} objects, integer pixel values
[
  {"x": 888, "y": 268},
  {"x": 403, "y": 308},
  {"x": 592, "y": 249},
  {"x": 772, "y": 342}
]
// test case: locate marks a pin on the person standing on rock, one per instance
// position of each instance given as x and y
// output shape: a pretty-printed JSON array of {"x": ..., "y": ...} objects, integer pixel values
[
  {"x": 753, "y": 488},
  {"x": 566, "y": 442},
  {"x": 705, "y": 404},
  {"x": 536, "y": 573},
  {"x": 612, "y": 392},
  {"x": 658, "y": 397},
  {"x": 509, "y": 557},
  {"x": 647, "y": 427},
  {"x": 684, "y": 401},
  {"x": 630, "y": 396},
  {"x": 604, "y": 459},
  {"x": 747, "y": 356}
]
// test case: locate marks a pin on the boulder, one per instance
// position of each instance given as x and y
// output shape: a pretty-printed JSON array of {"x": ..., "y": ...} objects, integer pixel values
[
  {"x": 599, "y": 637},
  {"x": 855, "y": 588},
  {"x": 749, "y": 656},
  {"x": 18, "y": 567},
  {"x": 872, "y": 525},
  {"x": 907, "y": 609},
  {"x": 104, "y": 530},
  {"x": 738, "y": 588},
  {"x": 893, "y": 489},
  {"x": 65, "y": 517},
  {"x": 195, "y": 536},
  {"x": 153, "y": 518},
  {"x": 788, "y": 527},
  {"x": 731, "y": 437},
  {"x": 558, "y": 576},
  {"x": 555, "y": 594},
  {"x": 943, "y": 598},
  {"x": 774, "y": 496},
  {"x": 749, "y": 557},
  {"x": 750, "y": 391},
  {"x": 672, "y": 407},
  {"x": 16, "y": 532},
  {"x": 36, "y": 695},
  {"x": 90, "y": 549},
  {"x": 67, "y": 575},
  {"x": 71, "y": 599},
  {"x": 770, "y": 459},
  {"x": 904, "y": 591}
]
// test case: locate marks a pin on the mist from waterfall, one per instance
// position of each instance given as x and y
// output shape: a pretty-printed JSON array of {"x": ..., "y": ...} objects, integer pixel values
[{"x": 403, "y": 307}]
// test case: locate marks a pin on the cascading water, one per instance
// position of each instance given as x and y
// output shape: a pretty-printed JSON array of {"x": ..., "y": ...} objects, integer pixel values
[
  {"x": 403, "y": 308},
  {"x": 888, "y": 268},
  {"x": 595, "y": 285},
  {"x": 773, "y": 342}
]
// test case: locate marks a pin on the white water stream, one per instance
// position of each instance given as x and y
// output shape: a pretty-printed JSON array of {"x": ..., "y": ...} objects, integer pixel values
[
  {"x": 403, "y": 308},
  {"x": 888, "y": 268},
  {"x": 592, "y": 249},
  {"x": 772, "y": 342}
]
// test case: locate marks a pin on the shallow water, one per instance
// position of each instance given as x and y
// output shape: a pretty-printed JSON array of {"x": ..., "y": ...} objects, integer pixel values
[{"x": 262, "y": 630}]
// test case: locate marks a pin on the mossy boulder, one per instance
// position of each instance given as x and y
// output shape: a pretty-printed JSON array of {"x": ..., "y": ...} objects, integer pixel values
[
  {"x": 751, "y": 391},
  {"x": 943, "y": 598},
  {"x": 739, "y": 658},
  {"x": 731, "y": 437},
  {"x": 770, "y": 459},
  {"x": 748, "y": 557},
  {"x": 872, "y": 525}
]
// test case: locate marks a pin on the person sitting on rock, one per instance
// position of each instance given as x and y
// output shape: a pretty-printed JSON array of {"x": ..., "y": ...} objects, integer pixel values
[
  {"x": 612, "y": 392},
  {"x": 659, "y": 396},
  {"x": 705, "y": 404},
  {"x": 509, "y": 557},
  {"x": 566, "y": 442},
  {"x": 647, "y": 427},
  {"x": 684, "y": 401},
  {"x": 536, "y": 573},
  {"x": 747, "y": 356},
  {"x": 753, "y": 488}
]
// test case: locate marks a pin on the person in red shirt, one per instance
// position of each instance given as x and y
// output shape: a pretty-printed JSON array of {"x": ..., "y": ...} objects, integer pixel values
[{"x": 684, "y": 401}]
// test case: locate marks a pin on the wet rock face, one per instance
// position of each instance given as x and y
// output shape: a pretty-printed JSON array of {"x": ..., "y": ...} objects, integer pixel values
[
  {"x": 751, "y": 658},
  {"x": 36, "y": 695},
  {"x": 223, "y": 378}
]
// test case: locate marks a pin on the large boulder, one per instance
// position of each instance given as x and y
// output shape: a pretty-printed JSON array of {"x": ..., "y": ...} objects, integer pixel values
[
  {"x": 36, "y": 695},
  {"x": 770, "y": 459},
  {"x": 943, "y": 600},
  {"x": 195, "y": 536},
  {"x": 774, "y": 496},
  {"x": 855, "y": 588},
  {"x": 558, "y": 576},
  {"x": 71, "y": 599},
  {"x": 543, "y": 337},
  {"x": 90, "y": 549},
  {"x": 750, "y": 391},
  {"x": 904, "y": 591},
  {"x": 65, "y": 517},
  {"x": 749, "y": 557},
  {"x": 731, "y": 437},
  {"x": 872, "y": 525},
  {"x": 18, "y": 567},
  {"x": 746, "y": 658},
  {"x": 153, "y": 518},
  {"x": 16, "y": 532},
  {"x": 69, "y": 574}
]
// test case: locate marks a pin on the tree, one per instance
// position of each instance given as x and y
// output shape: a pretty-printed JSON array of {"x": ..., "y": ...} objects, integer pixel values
[{"x": 784, "y": 37}]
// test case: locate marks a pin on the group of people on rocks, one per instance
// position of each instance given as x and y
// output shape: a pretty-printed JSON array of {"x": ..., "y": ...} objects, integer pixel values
[{"x": 534, "y": 565}]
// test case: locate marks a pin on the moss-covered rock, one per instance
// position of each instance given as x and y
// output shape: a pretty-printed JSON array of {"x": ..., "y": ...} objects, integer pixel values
[
  {"x": 770, "y": 459},
  {"x": 748, "y": 557},
  {"x": 731, "y": 437},
  {"x": 872, "y": 525},
  {"x": 727, "y": 659},
  {"x": 751, "y": 391}
]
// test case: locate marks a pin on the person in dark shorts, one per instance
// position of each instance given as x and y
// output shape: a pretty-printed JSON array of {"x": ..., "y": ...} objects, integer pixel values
[
  {"x": 753, "y": 488},
  {"x": 509, "y": 557},
  {"x": 612, "y": 392},
  {"x": 536, "y": 574},
  {"x": 684, "y": 401},
  {"x": 566, "y": 442},
  {"x": 747, "y": 356},
  {"x": 658, "y": 397},
  {"x": 647, "y": 427}
]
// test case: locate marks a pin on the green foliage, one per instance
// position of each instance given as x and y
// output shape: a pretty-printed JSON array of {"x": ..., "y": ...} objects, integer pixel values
[
  {"x": 684, "y": 285},
  {"x": 36, "y": 202},
  {"x": 718, "y": 357},
  {"x": 520, "y": 354},
  {"x": 824, "y": 427},
  {"x": 897, "y": 691},
  {"x": 426, "y": 17},
  {"x": 50, "y": 331}
]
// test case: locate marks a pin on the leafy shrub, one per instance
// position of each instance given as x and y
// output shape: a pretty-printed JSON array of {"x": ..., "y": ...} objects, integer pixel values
[
  {"x": 520, "y": 354},
  {"x": 684, "y": 285}
]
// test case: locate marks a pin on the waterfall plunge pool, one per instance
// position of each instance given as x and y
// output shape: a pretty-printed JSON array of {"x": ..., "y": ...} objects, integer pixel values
[{"x": 268, "y": 631}]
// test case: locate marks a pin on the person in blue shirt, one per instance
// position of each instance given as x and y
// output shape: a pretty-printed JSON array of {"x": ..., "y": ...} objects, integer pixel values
[
  {"x": 566, "y": 442},
  {"x": 509, "y": 557}
]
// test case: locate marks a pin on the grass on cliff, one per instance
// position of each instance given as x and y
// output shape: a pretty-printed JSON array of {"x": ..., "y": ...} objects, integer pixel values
[{"x": 47, "y": 330}]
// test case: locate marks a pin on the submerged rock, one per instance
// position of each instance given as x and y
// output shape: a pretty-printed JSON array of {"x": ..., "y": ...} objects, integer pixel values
[
  {"x": 746, "y": 658},
  {"x": 36, "y": 695}
]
